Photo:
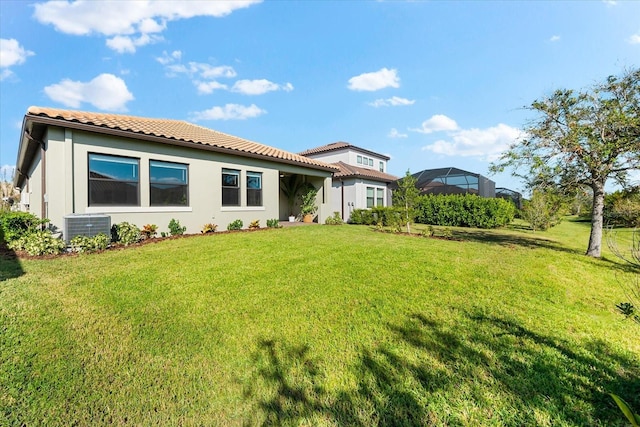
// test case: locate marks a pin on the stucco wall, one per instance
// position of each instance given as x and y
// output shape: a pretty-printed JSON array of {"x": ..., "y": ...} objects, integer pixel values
[{"x": 68, "y": 192}]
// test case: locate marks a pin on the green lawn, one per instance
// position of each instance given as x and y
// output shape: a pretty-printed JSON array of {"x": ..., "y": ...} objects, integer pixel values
[{"x": 321, "y": 325}]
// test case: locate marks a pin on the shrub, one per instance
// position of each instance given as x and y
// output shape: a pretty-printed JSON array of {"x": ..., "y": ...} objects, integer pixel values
[
  {"x": 83, "y": 244},
  {"x": 623, "y": 207},
  {"x": 464, "y": 211},
  {"x": 235, "y": 225},
  {"x": 387, "y": 215},
  {"x": 273, "y": 223},
  {"x": 209, "y": 228},
  {"x": 39, "y": 242},
  {"x": 254, "y": 225},
  {"x": 15, "y": 224},
  {"x": 336, "y": 219},
  {"x": 125, "y": 233},
  {"x": 543, "y": 211},
  {"x": 149, "y": 230},
  {"x": 175, "y": 229}
]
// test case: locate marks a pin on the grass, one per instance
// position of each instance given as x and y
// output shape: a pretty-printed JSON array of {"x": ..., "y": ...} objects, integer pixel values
[{"x": 321, "y": 326}]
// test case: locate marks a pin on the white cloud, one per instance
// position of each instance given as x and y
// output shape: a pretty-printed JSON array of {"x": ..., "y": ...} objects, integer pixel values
[
  {"x": 610, "y": 2},
  {"x": 229, "y": 112},
  {"x": 375, "y": 81},
  {"x": 393, "y": 133},
  {"x": 394, "y": 101},
  {"x": 128, "y": 24},
  {"x": 11, "y": 53},
  {"x": 106, "y": 92},
  {"x": 635, "y": 39},
  {"x": 259, "y": 87},
  {"x": 169, "y": 58},
  {"x": 487, "y": 144},
  {"x": 554, "y": 38},
  {"x": 437, "y": 123},
  {"x": 206, "y": 88},
  {"x": 202, "y": 70}
]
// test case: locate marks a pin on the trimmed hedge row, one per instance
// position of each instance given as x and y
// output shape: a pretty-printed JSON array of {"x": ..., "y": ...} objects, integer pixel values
[
  {"x": 464, "y": 211},
  {"x": 387, "y": 215}
]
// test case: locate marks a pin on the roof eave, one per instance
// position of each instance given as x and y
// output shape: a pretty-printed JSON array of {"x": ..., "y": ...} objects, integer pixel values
[{"x": 159, "y": 139}]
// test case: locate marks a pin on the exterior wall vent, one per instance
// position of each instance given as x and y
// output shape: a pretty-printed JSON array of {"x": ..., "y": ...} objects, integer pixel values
[{"x": 88, "y": 225}]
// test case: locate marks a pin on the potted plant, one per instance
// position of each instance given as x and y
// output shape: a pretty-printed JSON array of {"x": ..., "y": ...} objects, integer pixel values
[{"x": 308, "y": 204}]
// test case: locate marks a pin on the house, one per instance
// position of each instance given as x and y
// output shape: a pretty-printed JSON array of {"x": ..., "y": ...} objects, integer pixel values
[
  {"x": 149, "y": 171},
  {"x": 361, "y": 180},
  {"x": 453, "y": 181},
  {"x": 511, "y": 195}
]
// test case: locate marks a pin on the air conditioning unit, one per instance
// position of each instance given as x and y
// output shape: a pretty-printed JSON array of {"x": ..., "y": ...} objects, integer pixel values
[{"x": 86, "y": 225}]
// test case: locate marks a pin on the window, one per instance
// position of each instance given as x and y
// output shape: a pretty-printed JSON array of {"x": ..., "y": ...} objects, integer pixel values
[
  {"x": 254, "y": 189},
  {"x": 230, "y": 187},
  {"x": 379, "y": 197},
  {"x": 169, "y": 185},
  {"x": 381, "y": 167},
  {"x": 359, "y": 160},
  {"x": 370, "y": 162},
  {"x": 370, "y": 196},
  {"x": 113, "y": 181}
]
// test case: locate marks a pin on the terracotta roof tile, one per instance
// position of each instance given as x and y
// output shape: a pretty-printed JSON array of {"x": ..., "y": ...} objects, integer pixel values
[
  {"x": 176, "y": 130},
  {"x": 349, "y": 171},
  {"x": 334, "y": 146}
]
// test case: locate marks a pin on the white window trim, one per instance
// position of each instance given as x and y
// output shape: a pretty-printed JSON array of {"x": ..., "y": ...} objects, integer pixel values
[
  {"x": 241, "y": 208},
  {"x": 137, "y": 209}
]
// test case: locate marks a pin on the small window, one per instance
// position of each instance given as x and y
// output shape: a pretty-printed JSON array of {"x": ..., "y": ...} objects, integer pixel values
[
  {"x": 370, "y": 162},
  {"x": 113, "y": 181},
  {"x": 169, "y": 185},
  {"x": 381, "y": 166},
  {"x": 359, "y": 160},
  {"x": 379, "y": 197},
  {"x": 254, "y": 189},
  {"x": 230, "y": 187},
  {"x": 370, "y": 197}
]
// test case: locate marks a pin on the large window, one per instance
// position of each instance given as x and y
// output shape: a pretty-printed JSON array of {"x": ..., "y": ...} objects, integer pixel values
[
  {"x": 379, "y": 197},
  {"x": 113, "y": 181},
  {"x": 230, "y": 187},
  {"x": 169, "y": 184},
  {"x": 254, "y": 189},
  {"x": 370, "y": 197}
]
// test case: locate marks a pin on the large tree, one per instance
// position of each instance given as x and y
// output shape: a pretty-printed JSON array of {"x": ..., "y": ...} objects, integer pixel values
[{"x": 582, "y": 138}]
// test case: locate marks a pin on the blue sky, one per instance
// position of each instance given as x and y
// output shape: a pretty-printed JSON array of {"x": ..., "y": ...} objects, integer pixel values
[{"x": 430, "y": 84}]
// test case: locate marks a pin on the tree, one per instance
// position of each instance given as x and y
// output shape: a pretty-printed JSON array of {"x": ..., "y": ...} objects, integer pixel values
[
  {"x": 406, "y": 196},
  {"x": 582, "y": 138}
]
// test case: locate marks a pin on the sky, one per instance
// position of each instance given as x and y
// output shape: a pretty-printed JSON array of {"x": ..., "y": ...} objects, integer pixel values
[{"x": 430, "y": 84}]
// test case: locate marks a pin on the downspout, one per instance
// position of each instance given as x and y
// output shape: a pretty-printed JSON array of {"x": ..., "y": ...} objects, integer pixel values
[
  {"x": 342, "y": 198},
  {"x": 43, "y": 158}
]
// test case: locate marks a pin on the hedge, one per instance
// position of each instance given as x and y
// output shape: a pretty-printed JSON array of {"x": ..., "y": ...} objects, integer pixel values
[
  {"x": 386, "y": 215},
  {"x": 464, "y": 211}
]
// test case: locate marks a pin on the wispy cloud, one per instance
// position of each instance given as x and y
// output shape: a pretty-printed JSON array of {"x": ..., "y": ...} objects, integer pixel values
[
  {"x": 228, "y": 112},
  {"x": 437, "y": 123},
  {"x": 259, "y": 87},
  {"x": 128, "y": 24},
  {"x": 554, "y": 38},
  {"x": 377, "y": 80},
  {"x": 11, "y": 54},
  {"x": 105, "y": 92},
  {"x": 394, "y": 101},
  {"x": 635, "y": 39},
  {"x": 393, "y": 133}
]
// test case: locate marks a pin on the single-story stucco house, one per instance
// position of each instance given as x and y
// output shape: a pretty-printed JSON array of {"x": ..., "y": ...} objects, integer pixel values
[
  {"x": 361, "y": 181},
  {"x": 148, "y": 171}
]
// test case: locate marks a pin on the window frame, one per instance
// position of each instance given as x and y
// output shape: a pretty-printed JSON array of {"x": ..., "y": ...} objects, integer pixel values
[
  {"x": 173, "y": 165},
  {"x": 254, "y": 174},
  {"x": 104, "y": 157},
  {"x": 228, "y": 188}
]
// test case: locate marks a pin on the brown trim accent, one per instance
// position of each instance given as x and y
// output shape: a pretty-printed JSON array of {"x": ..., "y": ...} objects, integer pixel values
[{"x": 152, "y": 138}]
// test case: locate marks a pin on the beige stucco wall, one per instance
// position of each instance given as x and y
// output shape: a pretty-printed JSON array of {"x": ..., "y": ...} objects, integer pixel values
[{"x": 67, "y": 186}]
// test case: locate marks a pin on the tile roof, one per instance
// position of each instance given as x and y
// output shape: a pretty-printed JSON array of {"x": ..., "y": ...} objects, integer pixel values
[
  {"x": 334, "y": 146},
  {"x": 175, "y": 130},
  {"x": 350, "y": 171}
]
